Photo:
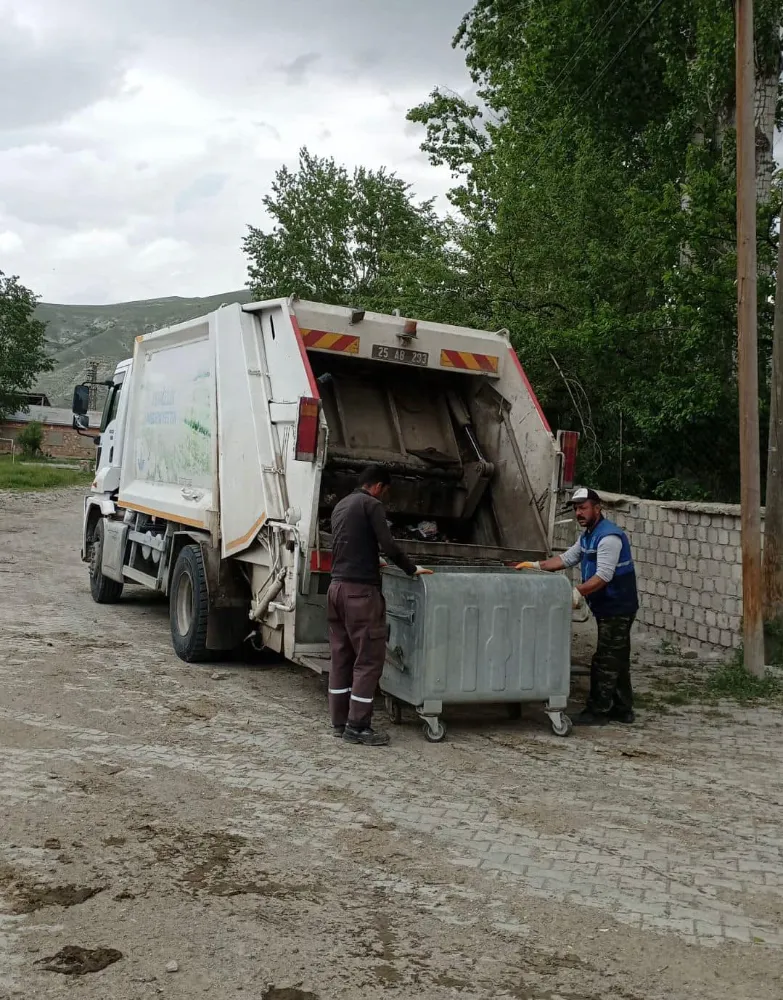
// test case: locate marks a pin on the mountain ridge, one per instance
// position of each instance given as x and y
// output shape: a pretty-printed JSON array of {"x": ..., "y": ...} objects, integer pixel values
[{"x": 78, "y": 334}]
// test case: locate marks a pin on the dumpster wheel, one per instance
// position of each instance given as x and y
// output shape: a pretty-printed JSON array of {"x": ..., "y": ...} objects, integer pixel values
[
  {"x": 393, "y": 710},
  {"x": 434, "y": 730},
  {"x": 561, "y": 724}
]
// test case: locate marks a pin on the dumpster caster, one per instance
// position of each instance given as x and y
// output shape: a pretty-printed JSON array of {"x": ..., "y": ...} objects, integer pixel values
[
  {"x": 393, "y": 710},
  {"x": 434, "y": 730},
  {"x": 561, "y": 724}
]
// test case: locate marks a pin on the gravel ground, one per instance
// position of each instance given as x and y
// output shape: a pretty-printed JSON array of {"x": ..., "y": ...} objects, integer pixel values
[{"x": 199, "y": 832}]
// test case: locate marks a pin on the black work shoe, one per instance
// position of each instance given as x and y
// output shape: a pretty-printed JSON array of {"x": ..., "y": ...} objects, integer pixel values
[
  {"x": 368, "y": 737},
  {"x": 338, "y": 731},
  {"x": 625, "y": 715},
  {"x": 588, "y": 718}
]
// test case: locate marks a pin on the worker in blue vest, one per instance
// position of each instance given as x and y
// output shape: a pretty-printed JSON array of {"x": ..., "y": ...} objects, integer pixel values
[{"x": 609, "y": 587}]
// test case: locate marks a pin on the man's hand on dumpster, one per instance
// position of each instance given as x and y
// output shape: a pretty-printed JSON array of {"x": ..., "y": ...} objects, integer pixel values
[
  {"x": 576, "y": 599},
  {"x": 528, "y": 565},
  {"x": 421, "y": 571},
  {"x": 383, "y": 563}
]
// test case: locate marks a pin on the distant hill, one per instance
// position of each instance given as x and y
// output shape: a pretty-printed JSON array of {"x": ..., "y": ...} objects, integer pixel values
[{"x": 78, "y": 334}]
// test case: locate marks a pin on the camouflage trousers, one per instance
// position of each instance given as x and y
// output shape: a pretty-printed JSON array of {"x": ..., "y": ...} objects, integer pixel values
[{"x": 610, "y": 671}]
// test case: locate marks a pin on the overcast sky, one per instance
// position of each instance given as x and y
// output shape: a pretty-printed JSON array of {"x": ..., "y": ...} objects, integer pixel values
[{"x": 138, "y": 137}]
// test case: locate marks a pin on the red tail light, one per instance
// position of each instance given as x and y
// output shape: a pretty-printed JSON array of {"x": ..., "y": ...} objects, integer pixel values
[
  {"x": 569, "y": 443},
  {"x": 307, "y": 429}
]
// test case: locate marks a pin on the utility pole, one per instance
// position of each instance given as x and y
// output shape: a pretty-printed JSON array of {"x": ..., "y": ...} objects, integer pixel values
[
  {"x": 772, "y": 566},
  {"x": 92, "y": 378},
  {"x": 747, "y": 349}
]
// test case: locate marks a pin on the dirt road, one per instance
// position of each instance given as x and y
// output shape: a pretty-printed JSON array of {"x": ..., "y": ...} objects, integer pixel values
[{"x": 204, "y": 821}]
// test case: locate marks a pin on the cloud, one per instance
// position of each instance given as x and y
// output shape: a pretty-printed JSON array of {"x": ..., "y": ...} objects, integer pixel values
[
  {"x": 296, "y": 71},
  {"x": 201, "y": 189},
  {"x": 45, "y": 78},
  {"x": 140, "y": 139},
  {"x": 10, "y": 242}
]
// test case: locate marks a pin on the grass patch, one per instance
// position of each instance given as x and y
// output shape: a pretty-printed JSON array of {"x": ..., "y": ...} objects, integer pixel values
[
  {"x": 728, "y": 682},
  {"x": 650, "y": 701},
  {"x": 732, "y": 681},
  {"x": 45, "y": 460},
  {"x": 27, "y": 476}
]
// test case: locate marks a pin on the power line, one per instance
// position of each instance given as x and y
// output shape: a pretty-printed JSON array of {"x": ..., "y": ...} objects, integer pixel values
[
  {"x": 605, "y": 70},
  {"x": 619, "y": 5},
  {"x": 622, "y": 49},
  {"x": 552, "y": 88}
]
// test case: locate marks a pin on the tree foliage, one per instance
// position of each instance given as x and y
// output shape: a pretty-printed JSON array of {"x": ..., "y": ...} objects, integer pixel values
[
  {"x": 22, "y": 345},
  {"x": 596, "y": 183},
  {"x": 332, "y": 232},
  {"x": 594, "y": 218}
]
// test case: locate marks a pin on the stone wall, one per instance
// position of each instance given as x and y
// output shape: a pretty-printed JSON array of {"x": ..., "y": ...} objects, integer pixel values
[{"x": 688, "y": 564}]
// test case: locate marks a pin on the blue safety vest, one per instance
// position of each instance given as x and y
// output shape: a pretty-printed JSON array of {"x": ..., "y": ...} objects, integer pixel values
[{"x": 619, "y": 596}]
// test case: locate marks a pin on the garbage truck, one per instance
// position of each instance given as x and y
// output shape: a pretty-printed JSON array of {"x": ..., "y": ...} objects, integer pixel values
[{"x": 226, "y": 441}]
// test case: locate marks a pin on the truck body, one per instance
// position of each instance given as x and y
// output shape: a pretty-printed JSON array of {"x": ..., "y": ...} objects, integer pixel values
[{"x": 226, "y": 441}]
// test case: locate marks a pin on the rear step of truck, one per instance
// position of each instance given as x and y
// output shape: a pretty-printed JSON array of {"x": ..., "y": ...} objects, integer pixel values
[{"x": 318, "y": 663}]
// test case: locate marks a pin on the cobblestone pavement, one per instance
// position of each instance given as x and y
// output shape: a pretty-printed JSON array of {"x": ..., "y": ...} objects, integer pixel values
[{"x": 205, "y": 816}]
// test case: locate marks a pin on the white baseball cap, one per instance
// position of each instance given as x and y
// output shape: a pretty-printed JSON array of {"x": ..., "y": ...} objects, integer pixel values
[{"x": 582, "y": 494}]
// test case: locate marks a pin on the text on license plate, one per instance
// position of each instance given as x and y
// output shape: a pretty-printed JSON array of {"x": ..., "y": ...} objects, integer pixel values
[{"x": 400, "y": 354}]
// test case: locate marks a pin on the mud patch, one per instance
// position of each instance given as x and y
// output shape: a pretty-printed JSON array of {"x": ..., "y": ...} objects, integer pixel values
[
  {"x": 387, "y": 972},
  {"x": 551, "y": 964},
  {"x": 214, "y": 850},
  {"x": 24, "y": 895},
  {"x": 77, "y": 641},
  {"x": 29, "y": 898},
  {"x": 220, "y": 864},
  {"x": 198, "y": 708},
  {"x": 273, "y": 993},
  {"x": 72, "y": 960},
  {"x": 451, "y": 982}
]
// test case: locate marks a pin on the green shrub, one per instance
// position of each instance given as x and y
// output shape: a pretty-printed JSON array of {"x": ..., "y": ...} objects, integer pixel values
[{"x": 30, "y": 439}]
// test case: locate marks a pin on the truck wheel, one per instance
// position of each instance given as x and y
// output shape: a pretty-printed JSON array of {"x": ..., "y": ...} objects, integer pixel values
[
  {"x": 103, "y": 590},
  {"x": 189, "y": 606}
]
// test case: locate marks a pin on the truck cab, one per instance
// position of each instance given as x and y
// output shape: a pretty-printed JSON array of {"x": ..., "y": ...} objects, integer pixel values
[{"x": 109, "y": 446}]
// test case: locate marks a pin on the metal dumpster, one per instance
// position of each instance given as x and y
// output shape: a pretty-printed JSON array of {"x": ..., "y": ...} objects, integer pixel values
[{"x": 469, "y": 634}]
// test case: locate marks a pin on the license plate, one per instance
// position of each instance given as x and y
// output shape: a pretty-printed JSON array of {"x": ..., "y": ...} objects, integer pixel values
[{"x": 400, "y": 355}]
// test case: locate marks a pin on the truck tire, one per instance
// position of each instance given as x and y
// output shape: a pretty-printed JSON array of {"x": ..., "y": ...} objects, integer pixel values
[
  {"x": 103, "y": 590},
  {"x": 189, "y": 606}
]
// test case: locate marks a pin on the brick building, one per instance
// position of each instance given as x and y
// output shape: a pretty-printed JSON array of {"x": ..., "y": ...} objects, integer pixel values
[{"x": 60, "y": 439}]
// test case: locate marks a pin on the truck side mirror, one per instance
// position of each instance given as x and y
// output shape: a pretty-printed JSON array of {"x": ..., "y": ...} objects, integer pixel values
[
  {"x": 81, "y": 400},
  {"x": 81, "y": 421}
]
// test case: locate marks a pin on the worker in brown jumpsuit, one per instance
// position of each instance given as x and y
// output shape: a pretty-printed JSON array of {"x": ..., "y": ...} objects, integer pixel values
[{"x": 356, "y": 608}]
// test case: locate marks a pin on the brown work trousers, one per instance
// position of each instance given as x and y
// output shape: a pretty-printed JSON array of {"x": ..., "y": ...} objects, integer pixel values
[{"x": 357, "y": 637}]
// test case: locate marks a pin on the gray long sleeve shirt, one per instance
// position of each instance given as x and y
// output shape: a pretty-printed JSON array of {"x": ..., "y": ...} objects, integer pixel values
[
  {"x": 359, "y": 530},
  {"x": 607, "y": 556}
]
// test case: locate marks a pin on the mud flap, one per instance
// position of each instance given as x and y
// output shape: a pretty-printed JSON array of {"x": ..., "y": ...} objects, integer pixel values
[{"x": 227, "y": 625}]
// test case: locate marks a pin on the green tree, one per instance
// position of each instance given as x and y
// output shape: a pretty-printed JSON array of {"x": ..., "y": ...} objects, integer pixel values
[
  {"x": 595, "y": 180},
  {"x": 22, "y": 344},
  {"x": 334, "y": 233}
]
